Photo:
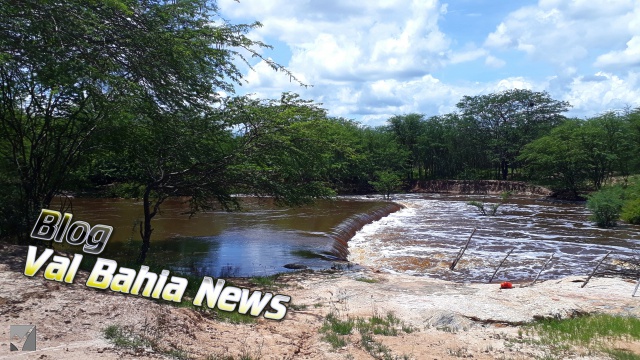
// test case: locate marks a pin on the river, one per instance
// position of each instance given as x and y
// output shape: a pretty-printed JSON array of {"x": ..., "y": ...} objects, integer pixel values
[{"x": 421, "y": 239}]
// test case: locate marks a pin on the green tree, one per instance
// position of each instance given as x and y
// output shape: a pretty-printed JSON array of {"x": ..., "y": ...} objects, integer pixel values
[
  {"x": 386, "y": 183},
  {"x": 163, "y": 56},
  {"x": 408, "y": 129},
  {"x": 247, "y": 146},
  {"x": 558, "y": 159},
  {"x": 510, "y": 120}
]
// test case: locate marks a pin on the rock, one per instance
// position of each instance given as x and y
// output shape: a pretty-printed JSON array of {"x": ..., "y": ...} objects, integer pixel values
[
  {"x": 295, "y": 266},
  {"x": 448, "y": 321}
]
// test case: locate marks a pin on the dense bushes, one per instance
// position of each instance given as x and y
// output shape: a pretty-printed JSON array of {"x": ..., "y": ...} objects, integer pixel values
[
  {"x": 605, "y": 206},
  {"x": 631, "y": 212},
  {"x": 616, "y": 202}
]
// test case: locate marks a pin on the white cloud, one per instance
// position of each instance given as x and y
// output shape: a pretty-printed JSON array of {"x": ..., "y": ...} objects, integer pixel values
[
  {"x": 627, "y": 57},
  {"x": 465, "y": 56},
  {"x": 347, "y": 40},
  {"x": 563, "y": 32},
  {"x": 494, "y": 62},
  {"x": 603, "y": 91},
  {"x": 372, "y": 60}
]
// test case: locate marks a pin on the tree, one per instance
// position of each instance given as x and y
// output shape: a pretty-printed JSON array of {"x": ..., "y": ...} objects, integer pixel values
[
  {"x": 408, "y": 129},
  {"x": 510, "y": 120},
  {"x": 607, "y": 143},
  {"x": 157, "y": 59},
  {"x": 558, "y": 159},
  {"x": 386, "y": 183},
  {"x": 581, "y": 150},
  {"x": 247, "y": 146}
]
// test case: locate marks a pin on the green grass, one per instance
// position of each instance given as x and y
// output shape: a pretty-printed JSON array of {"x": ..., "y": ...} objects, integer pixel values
[
  {"x": 335, "y": 325},
  {"x": 298, "y": 307},
  {"x": 233, "y": 317},
  {"x": 597, "y": 333},
  {"x": 265, "y": 281},
  {"x": 589, "y": 329},
  {"x": 367, "y": 280},
  {"x": 335, "y": 332},
  {"x": 336, "y": 341},
  {"x": 123, "y": 338}
]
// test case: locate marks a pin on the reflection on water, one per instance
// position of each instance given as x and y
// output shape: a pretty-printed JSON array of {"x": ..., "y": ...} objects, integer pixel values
[
  {"x": 425, "y": 237},
  {"x": 256, "y": 241}
]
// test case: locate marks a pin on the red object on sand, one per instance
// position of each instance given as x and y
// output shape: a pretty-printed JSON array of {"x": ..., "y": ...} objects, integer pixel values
[{"x": 506, "y": 285}]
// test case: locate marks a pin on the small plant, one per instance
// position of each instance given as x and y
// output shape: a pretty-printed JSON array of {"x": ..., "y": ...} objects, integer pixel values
[
  {"x": 408, "y": 329},
  {"x": 298, "y": 307},
  {"x": 491, "y": 209},
  {"x": 124, "y": 337},
  {"x": 605, "y": 206},
  {"x": 336, "y": 341},
  {"x": 367, "y": 280},
  {"x": 333, "y": 324}
]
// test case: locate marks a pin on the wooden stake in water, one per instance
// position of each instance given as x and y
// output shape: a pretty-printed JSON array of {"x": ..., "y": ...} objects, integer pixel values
[
  {"x": 594, "y": 270},
  {"x": 455, "y": 262},
  {"x": 500, "y": 265},
  {"x": 541, "y": 270}
]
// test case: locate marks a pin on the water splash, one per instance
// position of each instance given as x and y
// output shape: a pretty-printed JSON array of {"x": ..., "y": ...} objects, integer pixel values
[{"x": 343, "y": 232}]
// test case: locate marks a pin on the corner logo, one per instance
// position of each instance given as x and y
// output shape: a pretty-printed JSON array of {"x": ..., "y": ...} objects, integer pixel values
[{"x": 23, "y": 337}]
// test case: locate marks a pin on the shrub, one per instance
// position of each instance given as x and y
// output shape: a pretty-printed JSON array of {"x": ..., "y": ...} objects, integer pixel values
[
  {"x": 631, "y": 212},
  {"x": 605, "y": 206}
]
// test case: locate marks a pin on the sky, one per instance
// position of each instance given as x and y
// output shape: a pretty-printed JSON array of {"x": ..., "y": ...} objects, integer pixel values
[{"x": 371, "y": 60}]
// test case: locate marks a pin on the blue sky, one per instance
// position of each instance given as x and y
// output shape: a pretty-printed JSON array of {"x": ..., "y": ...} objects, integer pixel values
[{"x": 370, "y": 60}]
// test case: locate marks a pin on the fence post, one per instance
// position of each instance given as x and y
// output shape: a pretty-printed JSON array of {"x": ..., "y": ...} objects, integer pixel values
[
  {"x": 541, "y": 270},
  {"x": 455, "y": 262},
  {"x": 594, "y": 270},
  {"x": 500, "y": 265}
]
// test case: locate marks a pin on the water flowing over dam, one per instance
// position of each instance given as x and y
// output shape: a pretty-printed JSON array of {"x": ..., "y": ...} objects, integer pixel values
[
  {"x": 342, "y": 233},
  {"x": 424, "y": 238}
]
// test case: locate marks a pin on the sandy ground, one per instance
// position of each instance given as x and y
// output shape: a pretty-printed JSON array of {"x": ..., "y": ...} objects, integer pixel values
[{"x": 450, "y": 321}]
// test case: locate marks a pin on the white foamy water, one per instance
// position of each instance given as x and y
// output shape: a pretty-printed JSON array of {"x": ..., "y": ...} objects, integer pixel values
[{"x": 425, "y": 237}]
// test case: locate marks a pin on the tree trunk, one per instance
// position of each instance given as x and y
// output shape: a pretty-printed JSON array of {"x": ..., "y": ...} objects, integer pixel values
[
  {"x": 145, "y": 230},
  {"x": 504, "y": 165}
]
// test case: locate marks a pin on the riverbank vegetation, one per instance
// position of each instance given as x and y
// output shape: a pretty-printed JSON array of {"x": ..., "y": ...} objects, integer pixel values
[
  {"x": 136, "y": 99},
  {"x": 615, "y": 202}
]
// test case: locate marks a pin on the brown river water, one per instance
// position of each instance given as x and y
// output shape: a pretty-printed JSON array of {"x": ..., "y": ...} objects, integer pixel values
[{"x": 421, "y": 239}]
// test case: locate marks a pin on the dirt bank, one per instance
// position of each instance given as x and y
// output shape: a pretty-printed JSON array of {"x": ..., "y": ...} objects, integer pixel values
[
  {"x": 490, "y": 187},
  {"x": 447, "y": 320}
]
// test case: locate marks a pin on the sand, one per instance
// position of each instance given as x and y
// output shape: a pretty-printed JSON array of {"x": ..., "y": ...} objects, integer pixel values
[{"x": 449, "y": 320}]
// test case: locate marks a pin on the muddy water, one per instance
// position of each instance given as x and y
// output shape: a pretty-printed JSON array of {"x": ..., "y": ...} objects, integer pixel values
[
  {"x": 258, "y": 240},
  {"x": 425, "y": 237}
]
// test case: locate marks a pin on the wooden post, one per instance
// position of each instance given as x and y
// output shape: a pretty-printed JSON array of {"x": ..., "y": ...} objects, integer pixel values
[
  {"x": 636, "y": 289},
  {"x": 461, "y": 252},
  {"x": 594, "y": 270},
  {"x": 541, "y": 270},
  {"x": 500, "y": 265}
]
